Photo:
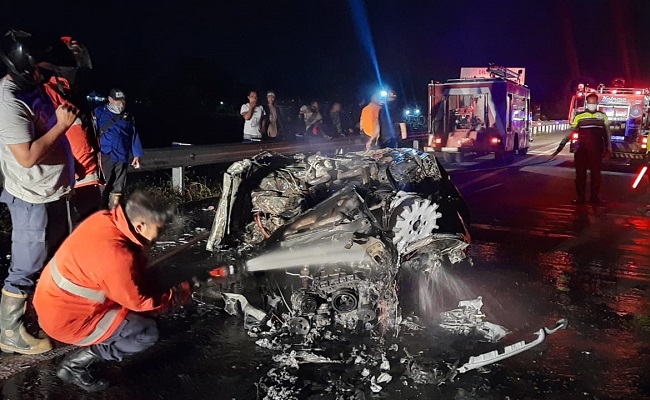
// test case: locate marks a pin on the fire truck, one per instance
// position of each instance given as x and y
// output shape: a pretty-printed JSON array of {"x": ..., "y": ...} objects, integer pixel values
[
  {"x": 627, "y": 110},
  {"x": 486, "y": 111}
]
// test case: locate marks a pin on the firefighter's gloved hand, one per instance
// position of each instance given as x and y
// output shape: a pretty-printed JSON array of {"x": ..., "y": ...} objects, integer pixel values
[{"x": 182, "y": 294}]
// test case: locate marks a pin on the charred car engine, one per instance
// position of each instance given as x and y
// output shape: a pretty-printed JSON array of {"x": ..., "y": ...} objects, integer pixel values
[{"x": 341, "y": 229}]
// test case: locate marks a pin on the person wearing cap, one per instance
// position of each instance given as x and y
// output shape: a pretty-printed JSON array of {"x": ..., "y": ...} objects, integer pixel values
[
  {"x": 312, "y": 119},
  {"x": 37, "y": 165},
  {"x": 272, "y": 123},
  {"x": 118, "y": 140},
  {"x": 253, "y": 114}
]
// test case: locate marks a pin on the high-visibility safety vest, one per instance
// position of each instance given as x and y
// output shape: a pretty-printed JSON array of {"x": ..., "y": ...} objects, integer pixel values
[
  {"x": 590, "y": 120},
  {"x": 93, "y": 281},
  {"x": 592, "y": 129}
]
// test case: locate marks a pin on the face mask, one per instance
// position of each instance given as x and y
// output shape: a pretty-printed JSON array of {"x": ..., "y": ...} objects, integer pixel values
[
  {"x": 115, "y": 108},
  {"x": 592, "y": 107}
]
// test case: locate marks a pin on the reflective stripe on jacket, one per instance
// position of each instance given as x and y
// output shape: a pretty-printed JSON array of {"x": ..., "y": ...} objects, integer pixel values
[
  {"x": 592, "y": 130},
  {"x": 588, "y": 120},
  {"x": 93, "y": 281}
]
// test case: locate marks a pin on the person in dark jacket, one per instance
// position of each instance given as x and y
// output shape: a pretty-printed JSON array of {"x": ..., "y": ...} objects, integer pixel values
[
  {"x": 392, "y": 127},
  {"x": 118, "y": 140},
  {"x": 594, "y": 143}
]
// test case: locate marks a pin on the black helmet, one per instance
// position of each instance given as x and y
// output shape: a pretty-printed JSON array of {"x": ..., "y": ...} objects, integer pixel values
[{"x": 20, "y": 52}]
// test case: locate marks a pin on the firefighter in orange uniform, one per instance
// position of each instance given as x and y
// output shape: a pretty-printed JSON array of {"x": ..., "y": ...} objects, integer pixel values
[{"x": 93, "y": 291}]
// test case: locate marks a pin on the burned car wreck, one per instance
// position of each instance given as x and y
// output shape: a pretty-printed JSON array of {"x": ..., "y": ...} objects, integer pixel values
[{"x": 341, "y": 230}]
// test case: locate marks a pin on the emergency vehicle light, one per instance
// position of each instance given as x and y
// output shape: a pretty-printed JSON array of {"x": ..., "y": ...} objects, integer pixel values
[
  {"x": 495, "y": 140},
  {"x": 644, "y": 142},
  {"x": 574, "y": 136},
  {"x": 614, "y": 91},
  {"x": 637, "y": 92},
  {"x": 437, "y": 140}
]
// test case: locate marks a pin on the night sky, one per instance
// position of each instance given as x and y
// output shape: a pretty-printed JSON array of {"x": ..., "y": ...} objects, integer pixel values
[{"x": 312, "y": 49}]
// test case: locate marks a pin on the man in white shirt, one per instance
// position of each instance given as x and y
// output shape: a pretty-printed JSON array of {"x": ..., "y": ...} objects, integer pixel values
[
  {"x": 252, "y": 113},
  {"x": 38, "y": 169}
]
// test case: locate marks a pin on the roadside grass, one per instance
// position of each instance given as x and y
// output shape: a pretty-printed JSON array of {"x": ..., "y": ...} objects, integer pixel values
[{"x": 197, "y": 188}]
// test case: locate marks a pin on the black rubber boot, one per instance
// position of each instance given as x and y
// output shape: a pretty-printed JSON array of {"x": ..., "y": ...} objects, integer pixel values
[
  {"x": 14, "y": 337},
  {"x": 74, "y": 369}
]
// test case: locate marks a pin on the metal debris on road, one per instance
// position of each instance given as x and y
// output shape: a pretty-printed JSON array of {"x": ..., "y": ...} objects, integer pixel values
[{"x": 469, "y": 319}]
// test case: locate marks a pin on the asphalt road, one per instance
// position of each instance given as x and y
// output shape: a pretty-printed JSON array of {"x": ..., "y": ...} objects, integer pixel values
[{"x": 536, "y": 258}]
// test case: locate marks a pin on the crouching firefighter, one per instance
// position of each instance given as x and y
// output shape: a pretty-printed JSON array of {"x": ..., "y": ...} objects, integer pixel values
[
  {"x": 593, "y": 143},
  {"x": 94, "y": 290}
]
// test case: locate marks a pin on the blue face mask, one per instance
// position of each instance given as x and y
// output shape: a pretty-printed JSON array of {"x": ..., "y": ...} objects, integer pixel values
[{"x": 591, "y": 107}]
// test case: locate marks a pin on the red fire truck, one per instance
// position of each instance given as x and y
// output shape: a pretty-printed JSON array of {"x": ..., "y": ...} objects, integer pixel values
[
  {"x": 627, "y": 110},
  {"x": 487, "y": 110}
]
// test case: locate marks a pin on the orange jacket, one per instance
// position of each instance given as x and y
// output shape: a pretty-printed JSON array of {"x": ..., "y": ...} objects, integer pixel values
[
  {"x": 85, "y": 154},
  {"x": 104, "y": 256},
  {"x": 370, "y": 118}
]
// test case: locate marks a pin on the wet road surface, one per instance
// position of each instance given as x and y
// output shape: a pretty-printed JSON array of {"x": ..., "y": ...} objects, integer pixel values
[{"x": 537, "y": 258}]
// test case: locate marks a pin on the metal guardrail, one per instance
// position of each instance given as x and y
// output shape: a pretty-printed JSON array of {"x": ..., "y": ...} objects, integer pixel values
[
  {"x": 538, "y": 127},
  {"x": 181, "y": 156},
  {"x": 195, "y": 155}
]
